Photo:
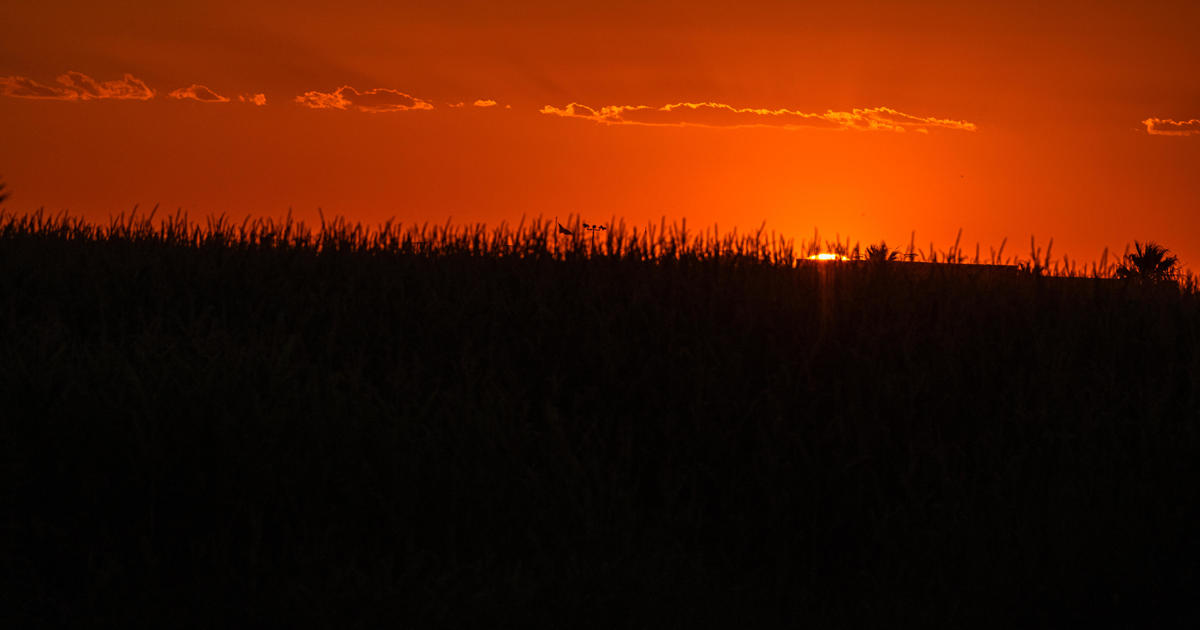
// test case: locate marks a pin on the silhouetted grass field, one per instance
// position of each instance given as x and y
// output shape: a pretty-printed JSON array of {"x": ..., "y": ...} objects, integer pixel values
[{"x": 458, "y": 427}]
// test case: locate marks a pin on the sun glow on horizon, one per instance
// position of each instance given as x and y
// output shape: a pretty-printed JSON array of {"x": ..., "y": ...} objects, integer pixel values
[
  {"x": 827, "y": 256},
  {"x": 892, "y": 118}
]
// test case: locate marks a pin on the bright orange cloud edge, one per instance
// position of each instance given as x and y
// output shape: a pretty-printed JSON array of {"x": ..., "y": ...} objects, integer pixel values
[
  {"x": 197, "y": 92},
  {"x": 77, "y": 86},
  {"x": 1168, "y": 127},
  {"x": 204, "y": 94},
  {"x": 721, "y": 115},
  {"x": 374, "y": 101}
]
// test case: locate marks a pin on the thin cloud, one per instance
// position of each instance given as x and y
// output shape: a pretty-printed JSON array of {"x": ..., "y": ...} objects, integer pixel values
[
  {"x": 198, "y": 92},
  {"x": 478, "y": 103},
  {"x": 1168, "y": 127},
  {"x": 376, "y": 101},
  {"x": 721, "y": 115},
  {"x": 89, "y": 88},
  {"x": 24, "y": 87},
  {"x": 257, "y": 99},
  {"x": 77, "y": 86}
]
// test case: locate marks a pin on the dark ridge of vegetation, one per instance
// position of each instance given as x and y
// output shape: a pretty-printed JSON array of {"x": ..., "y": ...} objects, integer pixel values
[{"x": 452, "y": 427}]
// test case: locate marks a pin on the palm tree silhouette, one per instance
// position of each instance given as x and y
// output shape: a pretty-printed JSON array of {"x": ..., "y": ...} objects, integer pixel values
[{"x": 1150, "y": 262}]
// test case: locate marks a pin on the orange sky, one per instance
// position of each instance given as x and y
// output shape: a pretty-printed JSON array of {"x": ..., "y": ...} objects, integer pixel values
[{"x": 871, "y": 119}]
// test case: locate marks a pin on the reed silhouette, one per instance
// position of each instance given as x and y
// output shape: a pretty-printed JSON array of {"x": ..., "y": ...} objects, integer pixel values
[{"x": 225, "y": 423}]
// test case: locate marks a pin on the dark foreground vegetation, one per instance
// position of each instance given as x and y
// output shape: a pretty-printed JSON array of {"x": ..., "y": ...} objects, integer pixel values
[{"x": 463, "y": 428}]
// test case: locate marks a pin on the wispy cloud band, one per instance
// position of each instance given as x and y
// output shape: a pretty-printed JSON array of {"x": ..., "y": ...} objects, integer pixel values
[
  {"x": 1168, "y": 127},
  {"x": 205, "y": 94},
  {"x": 375, "y": 101},
  {"x": 76, "y": 86},
  {"x": 197, "y": 92},
  {"x": 721, "y": 115}
]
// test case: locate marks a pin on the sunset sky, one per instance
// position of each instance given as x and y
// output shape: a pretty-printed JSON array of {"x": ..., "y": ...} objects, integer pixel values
[{"x": 1077, "y": 121}]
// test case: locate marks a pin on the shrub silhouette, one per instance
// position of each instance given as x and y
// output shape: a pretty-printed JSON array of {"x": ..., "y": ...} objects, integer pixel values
[
  {"x": 881, "y": 253},
  {"x": 1149, "y": 262}
]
